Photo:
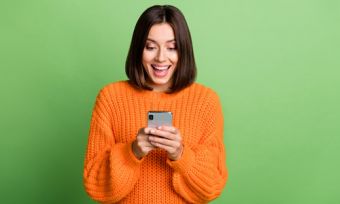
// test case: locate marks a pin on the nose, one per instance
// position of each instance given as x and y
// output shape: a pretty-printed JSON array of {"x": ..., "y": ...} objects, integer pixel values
[{"x": 161, "y": 55}]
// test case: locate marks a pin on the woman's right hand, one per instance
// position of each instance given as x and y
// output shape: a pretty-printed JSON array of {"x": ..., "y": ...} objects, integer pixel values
[{"x": 142, "y": 146}]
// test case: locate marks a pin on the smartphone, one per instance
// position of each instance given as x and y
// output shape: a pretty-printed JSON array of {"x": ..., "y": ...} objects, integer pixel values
[{"x": 159, "y": 118}]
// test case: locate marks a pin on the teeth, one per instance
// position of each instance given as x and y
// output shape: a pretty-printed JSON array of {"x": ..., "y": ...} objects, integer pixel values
[{"x": 161, "y": 67}]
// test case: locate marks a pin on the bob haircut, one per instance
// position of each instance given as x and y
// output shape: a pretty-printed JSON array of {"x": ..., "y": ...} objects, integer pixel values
[{"x": 185, "y": 72}]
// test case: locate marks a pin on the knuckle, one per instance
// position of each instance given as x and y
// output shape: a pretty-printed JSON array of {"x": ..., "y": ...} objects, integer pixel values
[{"x": 146, "y": 130}]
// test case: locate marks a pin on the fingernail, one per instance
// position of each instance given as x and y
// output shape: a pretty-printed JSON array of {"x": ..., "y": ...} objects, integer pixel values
[{"x": 160, "y": 127}]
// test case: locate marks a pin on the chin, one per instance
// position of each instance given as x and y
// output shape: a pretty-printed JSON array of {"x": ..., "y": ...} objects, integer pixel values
[{"x": 160, "y": 82}]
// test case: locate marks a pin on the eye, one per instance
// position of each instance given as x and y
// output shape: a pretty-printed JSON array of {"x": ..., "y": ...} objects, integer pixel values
[
  {"x": 172, "y": 48},
  {"x": 150, "y": 48}
]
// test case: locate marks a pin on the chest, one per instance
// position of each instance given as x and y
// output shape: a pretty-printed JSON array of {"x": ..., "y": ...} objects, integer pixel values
[{"x": 128, "y": 121}]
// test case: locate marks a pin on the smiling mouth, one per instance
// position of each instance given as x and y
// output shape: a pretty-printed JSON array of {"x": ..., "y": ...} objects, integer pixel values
[
  {"x": 160, "y": 71},
  {"x": 160, "y": 68}
]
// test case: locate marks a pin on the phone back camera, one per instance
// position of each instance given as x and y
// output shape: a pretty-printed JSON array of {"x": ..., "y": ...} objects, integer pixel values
[{"x": 150, "y": 117}]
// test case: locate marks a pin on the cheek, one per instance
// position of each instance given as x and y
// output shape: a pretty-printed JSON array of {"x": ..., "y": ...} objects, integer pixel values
[
  {"x": 147, "y": 57},
  {"x": 174, "y": 58}
]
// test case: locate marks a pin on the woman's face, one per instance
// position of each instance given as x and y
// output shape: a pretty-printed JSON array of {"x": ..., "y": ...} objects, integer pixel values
[{"x": 160, "y": 56}]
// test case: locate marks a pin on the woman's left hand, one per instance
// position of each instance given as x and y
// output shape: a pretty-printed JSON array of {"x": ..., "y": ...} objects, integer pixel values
[{"x": 167, "y": 138}]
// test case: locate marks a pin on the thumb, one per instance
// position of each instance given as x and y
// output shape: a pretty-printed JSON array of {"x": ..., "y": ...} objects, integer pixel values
[{"x": 147, "y": 130}]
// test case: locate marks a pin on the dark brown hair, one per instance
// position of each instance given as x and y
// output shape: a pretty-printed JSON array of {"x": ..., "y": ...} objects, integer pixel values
[{"x": 185, "y": 72}]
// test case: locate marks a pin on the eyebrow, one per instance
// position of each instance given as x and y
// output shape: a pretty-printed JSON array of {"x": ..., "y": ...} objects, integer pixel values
[{"x": 172, "y": 40}]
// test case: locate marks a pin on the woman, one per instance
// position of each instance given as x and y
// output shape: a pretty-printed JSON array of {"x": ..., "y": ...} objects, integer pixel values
[{"x": 127, "y": 162}]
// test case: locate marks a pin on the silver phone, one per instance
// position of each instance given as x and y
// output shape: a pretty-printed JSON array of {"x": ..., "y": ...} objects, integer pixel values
[{"x": 159, "y": 118}]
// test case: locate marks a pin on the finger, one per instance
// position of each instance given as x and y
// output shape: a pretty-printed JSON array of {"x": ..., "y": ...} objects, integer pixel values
[
  {"x": 143, "y": 138},
  {"x": 144, "y": 144},
  {"x": 170, "y": 129},
  {"x": 149, "y": 130},
  {"x": 146, "y": 130},
  {"x": 169, "y": 149},
  {"x": 164, "y": 141},
  {"x": 164, "y": 134}
]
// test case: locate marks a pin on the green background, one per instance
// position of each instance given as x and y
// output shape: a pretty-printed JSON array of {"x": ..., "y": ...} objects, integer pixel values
[{"x": 275, "y": 65}]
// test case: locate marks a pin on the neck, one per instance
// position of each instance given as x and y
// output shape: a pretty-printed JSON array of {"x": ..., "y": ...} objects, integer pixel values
[{"x": 159, "y": 87}]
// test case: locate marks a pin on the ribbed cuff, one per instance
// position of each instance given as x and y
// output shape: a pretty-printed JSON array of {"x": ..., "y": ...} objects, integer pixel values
[
  {"x": 185, "y": 162},
  {"x": 129, "y": 156}
]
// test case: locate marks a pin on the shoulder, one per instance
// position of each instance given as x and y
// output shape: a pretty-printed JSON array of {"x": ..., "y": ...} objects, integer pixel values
[
  {"x": 206, "y": 97},
  {"x": 114, "y": 89},
  {"x": 204, "y": 91},
  {"x": 118, "y": 85},
  {"x": 208, "y": 102}
]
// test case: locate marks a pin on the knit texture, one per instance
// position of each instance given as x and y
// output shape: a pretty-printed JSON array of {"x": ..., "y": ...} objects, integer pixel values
[{"x": 112, "y": 174}]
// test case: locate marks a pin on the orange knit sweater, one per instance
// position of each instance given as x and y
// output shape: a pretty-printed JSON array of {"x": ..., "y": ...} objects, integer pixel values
[{"x": 112, "y": 173}]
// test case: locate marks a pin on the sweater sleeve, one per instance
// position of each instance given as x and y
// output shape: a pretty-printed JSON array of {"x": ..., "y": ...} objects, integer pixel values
[
  {"x": 111, "y": 170},
  {"x": 201, "y": 173}
]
